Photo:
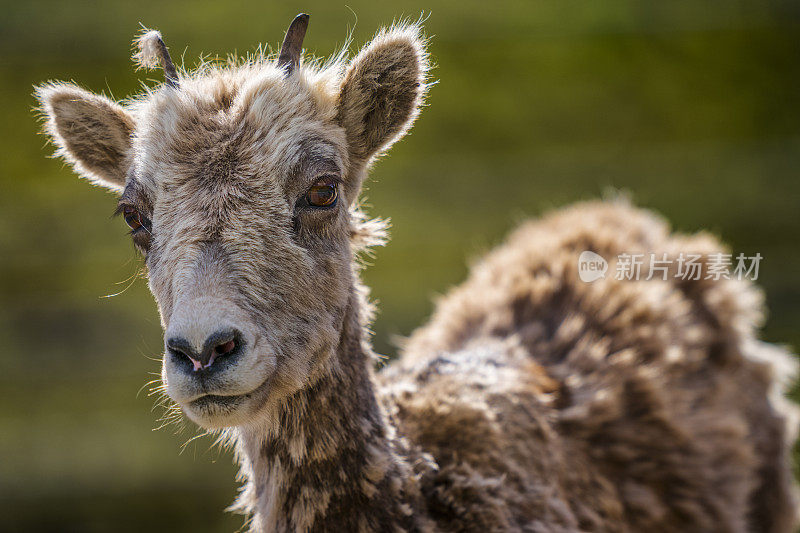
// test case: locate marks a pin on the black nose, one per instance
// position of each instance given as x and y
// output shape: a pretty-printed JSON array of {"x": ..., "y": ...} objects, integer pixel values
[{"x": 222, "y": 344}]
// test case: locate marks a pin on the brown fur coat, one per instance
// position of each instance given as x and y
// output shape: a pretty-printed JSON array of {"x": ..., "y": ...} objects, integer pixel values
[{"x": 536, "y": 402}]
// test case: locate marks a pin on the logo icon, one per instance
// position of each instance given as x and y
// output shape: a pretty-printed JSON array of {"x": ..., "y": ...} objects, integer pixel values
[{"x": 591, "y": 266}]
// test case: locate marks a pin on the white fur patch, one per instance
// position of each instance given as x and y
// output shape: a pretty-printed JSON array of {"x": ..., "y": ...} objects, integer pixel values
[{"x": 147, "y": 44}]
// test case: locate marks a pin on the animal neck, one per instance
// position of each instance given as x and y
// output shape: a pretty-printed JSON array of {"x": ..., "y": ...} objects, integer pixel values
[{"x": 330, "y": 461}]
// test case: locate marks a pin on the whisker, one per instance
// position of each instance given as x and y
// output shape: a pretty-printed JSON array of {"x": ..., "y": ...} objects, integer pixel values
[
  {"x": 183, "y": 447},
  {"x": 145, "y": 385}
]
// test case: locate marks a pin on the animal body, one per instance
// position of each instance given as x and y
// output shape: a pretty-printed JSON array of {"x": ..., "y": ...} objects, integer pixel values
[{"x": 532, "y": 401}]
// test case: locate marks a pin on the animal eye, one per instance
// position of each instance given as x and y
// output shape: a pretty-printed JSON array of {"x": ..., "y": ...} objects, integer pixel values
[
  {"x": 323, "y": 193},
  {"x": 133, "y": 218}
]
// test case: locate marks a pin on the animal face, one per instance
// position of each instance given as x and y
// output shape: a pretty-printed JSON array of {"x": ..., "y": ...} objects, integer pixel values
[{"x": 238, "y": 183}]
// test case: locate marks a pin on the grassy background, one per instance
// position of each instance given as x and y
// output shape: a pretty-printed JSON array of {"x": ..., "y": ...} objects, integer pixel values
[{"x": 691, "y": 106}]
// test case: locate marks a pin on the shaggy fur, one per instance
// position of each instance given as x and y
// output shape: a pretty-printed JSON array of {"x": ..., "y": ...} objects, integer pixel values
[
  {"x": 531, "y": 402},
  {"x": 615, "y": 405}
]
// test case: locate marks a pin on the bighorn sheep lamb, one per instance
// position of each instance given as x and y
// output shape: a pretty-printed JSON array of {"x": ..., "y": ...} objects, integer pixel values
[{"x": 533, "y": 401}]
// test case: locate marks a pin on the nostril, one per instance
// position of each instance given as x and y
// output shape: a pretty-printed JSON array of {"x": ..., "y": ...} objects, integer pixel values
[
  {"x": 181, "y": 348},
  {"x": 221, "y": 350},
  {"x": 221, "y": 344},
  {"x": 226, "y": 348}
]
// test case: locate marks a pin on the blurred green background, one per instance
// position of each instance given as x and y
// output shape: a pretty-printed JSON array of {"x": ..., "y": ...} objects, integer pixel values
[{"x": 691, "y": 106}]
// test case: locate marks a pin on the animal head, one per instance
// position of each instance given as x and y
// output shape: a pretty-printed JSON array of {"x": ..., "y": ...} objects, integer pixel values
[{"x": 239, "y": 183}]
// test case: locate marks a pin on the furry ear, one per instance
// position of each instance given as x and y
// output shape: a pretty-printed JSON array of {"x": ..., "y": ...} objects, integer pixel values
[
  {"x": 90, "y": 131},
  {"x": 382, "y": 90}
]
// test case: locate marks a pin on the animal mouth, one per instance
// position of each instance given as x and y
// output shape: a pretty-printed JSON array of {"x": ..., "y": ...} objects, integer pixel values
[
  {"x": 224, "y": 402},
  {"x": 214, "y": 400}
]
